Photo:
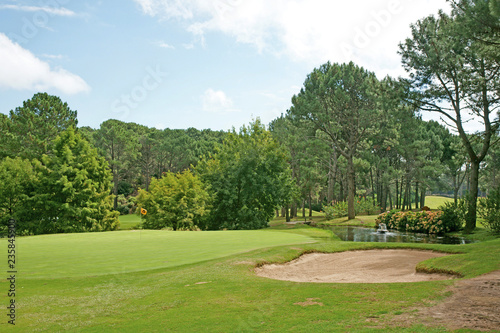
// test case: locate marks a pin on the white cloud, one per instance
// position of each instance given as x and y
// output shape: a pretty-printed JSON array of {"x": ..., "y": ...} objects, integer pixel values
[
  {"x": 21, "y": 70},
  {"x": 52, "y": 56},
  {"x": 164, "y": 45},
  {"x": 59, "y": 11},
  {"x": 312, "y": 31},
  {"x": 216, "y": 101}
]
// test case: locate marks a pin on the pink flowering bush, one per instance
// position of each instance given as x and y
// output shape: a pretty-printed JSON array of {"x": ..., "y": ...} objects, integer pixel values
[{"x": 428, "y": 222}]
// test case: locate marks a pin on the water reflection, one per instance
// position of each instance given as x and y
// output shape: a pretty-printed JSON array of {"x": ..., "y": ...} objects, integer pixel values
[{"x": 356, "y": 234}]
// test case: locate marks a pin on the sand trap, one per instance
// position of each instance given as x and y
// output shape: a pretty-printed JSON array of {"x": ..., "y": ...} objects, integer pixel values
[{"x": 371, "y": 266}]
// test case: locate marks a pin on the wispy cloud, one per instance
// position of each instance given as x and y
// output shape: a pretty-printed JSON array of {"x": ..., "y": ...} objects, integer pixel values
[
  {"x": 311, "y": 31},
  {"x": 52, "y": 56},
  {"x": 61, "y": 11},
  {"x": 217, "y": 101},
  {"x": 21, "y": 70},
  {"x": 164, "y": 45}
]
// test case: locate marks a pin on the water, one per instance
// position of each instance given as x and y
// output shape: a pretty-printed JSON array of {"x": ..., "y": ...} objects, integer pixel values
[{"x": 357, "y": 234}]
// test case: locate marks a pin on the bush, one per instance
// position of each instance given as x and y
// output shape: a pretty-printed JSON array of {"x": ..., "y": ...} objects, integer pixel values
[
  {"x": 489, "y": 210},
  {"x": 317, "y": 206},
  {"x": 336, "y": 210},
  {"x": 453, "y": 215},
  {"x": 423, "y": 222},
  {"x": 367, "y": 206}
]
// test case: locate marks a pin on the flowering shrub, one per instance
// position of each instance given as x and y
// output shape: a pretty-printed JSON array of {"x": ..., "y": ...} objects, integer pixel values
[{"x": 423, "y": 222}]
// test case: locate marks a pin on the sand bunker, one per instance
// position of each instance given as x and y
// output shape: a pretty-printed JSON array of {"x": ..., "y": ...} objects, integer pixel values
[{"x": 371, "y": 266}]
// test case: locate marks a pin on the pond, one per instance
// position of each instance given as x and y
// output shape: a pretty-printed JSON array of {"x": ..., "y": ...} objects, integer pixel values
[{"x": 358, "y": 234}]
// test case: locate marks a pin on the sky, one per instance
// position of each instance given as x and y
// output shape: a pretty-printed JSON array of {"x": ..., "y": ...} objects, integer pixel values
[{"x": 214, "y": 64}]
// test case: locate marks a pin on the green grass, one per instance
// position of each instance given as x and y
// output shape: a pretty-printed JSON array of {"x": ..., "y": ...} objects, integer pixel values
[
  {"x": 129, "y": 221},
  {"x": 433, "y": 202},
  {"x": 129, "y": 251},
  {"x": 158, "y": 281}
]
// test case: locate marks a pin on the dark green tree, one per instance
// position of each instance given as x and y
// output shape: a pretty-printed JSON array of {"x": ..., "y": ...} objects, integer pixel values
[
  {"x": 73, "y": 193},
  {"x": 450, "y": 75},
  {"x": 121, "y": 148},
  {"x": 17, "y": 182},
  {"x": 35, "y": 125},
  {"x": 340, "y": 100},
  {"x": 249, "y": 178}
]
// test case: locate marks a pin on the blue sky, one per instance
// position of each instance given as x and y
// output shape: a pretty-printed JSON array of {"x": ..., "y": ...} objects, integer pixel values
[{"x": 191, "y": 63}]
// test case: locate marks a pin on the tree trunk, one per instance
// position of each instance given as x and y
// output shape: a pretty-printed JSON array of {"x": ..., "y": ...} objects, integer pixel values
[
  {"x": 304, "y": 208},
  {"x": 310, "y": 205},
  {"x": 390, "y": 198},
  {"x": 416, "y": 195},
  {"x": 351, "y": 214},
  {"x": 397, "y": 194},
  {"x": 470, "y": 218},
  {"x": 287, "y": 214},
  {"x": 422, "y": 196}
]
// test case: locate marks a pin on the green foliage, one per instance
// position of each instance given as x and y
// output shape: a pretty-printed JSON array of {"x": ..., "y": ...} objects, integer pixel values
[
  {"x": 454, "y": 214},
  {"x": 340, "y": 101},
  {"x": 33, "y": 126},
  {"x": 17, "y": 180},
  {"x": 489, "y": 210},
  {"x": 178, "y": 201},
  {"x": 336, "y": 210},
  {"x": 118, "y": 142},
  {"x": 249, "y": 178},
  {"x": 366, "y": 206},
  {"x": 362, "y": 206},
  {"x": 73, "y": 190},
  {"x": 429, "y": 222}
]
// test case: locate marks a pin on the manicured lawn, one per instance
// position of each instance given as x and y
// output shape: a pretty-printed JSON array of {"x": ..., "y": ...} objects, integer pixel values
[
  {"x": 433, "y": 202},
  {"x": 129, "y": 221},
  {"x": 69, "y": 255},
  {"x": 157, "y": 281}
]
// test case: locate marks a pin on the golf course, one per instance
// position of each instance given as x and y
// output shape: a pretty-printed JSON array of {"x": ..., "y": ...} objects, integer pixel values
[{"x": 165, "y": 281}]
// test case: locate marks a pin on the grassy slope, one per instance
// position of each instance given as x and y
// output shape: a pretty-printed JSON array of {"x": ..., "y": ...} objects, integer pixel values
[{"x": 232, "y": 299}]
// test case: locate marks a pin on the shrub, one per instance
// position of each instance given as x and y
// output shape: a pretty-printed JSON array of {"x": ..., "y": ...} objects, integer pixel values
[
  {"x": 336, "y": 210},
  {"x": 489, "y": 210},
  {"x": 423, "y": 222},
  {"x": 367, "y": 206},
  {"x": 453, "y": 215}
]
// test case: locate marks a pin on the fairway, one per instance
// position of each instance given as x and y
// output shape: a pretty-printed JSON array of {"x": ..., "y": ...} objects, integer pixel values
[
  {"x": 72, "y": 255},
  {"x": 433, "y": 202}
]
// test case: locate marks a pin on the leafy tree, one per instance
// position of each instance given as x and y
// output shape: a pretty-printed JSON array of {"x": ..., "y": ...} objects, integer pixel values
[
  {"x": 179, "y": 201},
  {"x": 340, "y": 101},
  {"x": 17, "y": 181},
  {"x": 121, "y": 148},
  {"x": 249, "y": 178},
  {"x": 73, "y": 194},
  {"x": 33, "y": 126},
  {"x": 451, "y": 76}
]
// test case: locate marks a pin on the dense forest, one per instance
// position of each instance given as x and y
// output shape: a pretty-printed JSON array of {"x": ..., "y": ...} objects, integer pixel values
[{"x": 347, "y": 137}]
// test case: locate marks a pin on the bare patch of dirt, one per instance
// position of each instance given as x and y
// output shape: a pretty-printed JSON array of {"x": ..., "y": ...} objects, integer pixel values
[
  {"x": 309, "y": 302},
  {"x": 370, "y": 266},
  {"x": 473, "y": 304}
]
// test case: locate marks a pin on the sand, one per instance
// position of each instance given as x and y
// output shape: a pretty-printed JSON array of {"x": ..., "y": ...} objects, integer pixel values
[{"x": 370, "y": 266}]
